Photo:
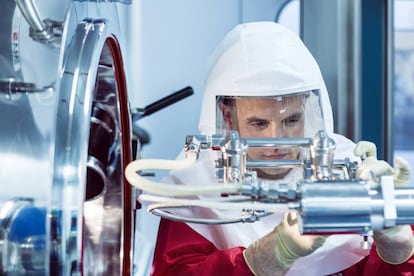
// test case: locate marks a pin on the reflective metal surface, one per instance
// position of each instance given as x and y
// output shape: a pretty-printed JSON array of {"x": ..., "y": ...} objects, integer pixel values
[
  {"x": 65, "y": 208},
  {"x": 322, "y": 197}
]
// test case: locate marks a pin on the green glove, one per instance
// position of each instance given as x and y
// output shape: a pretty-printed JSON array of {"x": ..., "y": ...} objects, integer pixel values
[
  {"x": 276, "y": 252},
  {"x": 395, "y": 245}
]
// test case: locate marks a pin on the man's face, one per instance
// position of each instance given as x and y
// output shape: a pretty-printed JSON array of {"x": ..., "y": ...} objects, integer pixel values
[{"x": 271, "y": 118}]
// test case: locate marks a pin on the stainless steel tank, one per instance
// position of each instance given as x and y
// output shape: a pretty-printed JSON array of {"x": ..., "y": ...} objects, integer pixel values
[{"x": 65, "y": 138}]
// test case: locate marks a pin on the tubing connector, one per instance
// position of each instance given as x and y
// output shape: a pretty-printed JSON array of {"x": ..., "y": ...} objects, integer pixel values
[
  {"x": 195, "y": 143},
  {"x": 48, "y": 31},
  {"x": 322, "y": 156}
]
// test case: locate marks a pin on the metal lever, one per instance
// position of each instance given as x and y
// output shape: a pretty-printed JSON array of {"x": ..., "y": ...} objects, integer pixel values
[{"x": 139, "y": 113}]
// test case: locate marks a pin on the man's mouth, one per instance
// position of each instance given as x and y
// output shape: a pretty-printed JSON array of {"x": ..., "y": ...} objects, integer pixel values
[{"x": 275, "y": 156}]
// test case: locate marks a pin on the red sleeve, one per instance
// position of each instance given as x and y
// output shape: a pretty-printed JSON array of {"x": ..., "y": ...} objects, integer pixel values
[
  {"x": 373, "y": 265},
  {"x": 182, "y": 251}
]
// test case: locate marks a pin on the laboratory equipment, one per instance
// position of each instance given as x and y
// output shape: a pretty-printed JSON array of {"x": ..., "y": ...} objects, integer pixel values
[{"x": 329, "y": 198}]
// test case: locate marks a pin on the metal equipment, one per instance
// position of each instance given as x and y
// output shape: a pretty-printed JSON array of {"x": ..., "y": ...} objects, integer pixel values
[
  {"x": 65, "y": 208},
  {"x": 329, "y": 198}
]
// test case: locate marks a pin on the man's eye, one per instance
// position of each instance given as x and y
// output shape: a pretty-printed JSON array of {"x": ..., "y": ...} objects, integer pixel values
[
  {"x": 259, "y": 124},
  {"x": 292, "y": 120}
]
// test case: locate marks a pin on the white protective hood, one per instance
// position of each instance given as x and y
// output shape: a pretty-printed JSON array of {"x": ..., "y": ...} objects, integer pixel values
[
  {"x": 267, "y": 59},
  {"x": 261, "y": 59}
]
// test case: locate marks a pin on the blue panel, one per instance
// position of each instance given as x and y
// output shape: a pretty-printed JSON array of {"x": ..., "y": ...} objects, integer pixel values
[
  {"x": 30, "y": 222},
  {"x": 373, "y": 73}
]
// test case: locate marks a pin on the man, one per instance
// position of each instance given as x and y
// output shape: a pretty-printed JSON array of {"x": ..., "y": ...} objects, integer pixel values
[
  {"x": 263, "y": 82},
  {"x": 255, "y": 117}
]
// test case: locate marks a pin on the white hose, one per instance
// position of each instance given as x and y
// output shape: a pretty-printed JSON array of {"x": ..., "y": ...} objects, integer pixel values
[
  {"x": 165, "y": 202},
  {"x": 132, "y": 169}
]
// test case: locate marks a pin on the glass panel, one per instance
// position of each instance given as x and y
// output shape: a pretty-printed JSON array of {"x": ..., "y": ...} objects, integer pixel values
[{"x": 404, "y": 81}]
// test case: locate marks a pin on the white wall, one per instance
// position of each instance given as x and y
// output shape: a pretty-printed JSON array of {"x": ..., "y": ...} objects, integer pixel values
[{"x": 168, "y": 43}]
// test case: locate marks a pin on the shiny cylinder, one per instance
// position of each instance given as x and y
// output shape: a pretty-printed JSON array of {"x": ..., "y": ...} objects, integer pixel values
[
  {"x": 344, "y": 207},
  {"x": 335, "y": 207},
  {"x": 31, "y": 14}
]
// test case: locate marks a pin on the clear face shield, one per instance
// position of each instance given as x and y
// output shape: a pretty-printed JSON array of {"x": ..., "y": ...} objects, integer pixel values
[{"x": 296, "y": 115}]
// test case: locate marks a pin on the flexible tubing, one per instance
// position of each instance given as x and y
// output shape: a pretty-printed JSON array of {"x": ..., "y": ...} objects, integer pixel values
[
  {"x": 165, "y": 202},
  {"x": 132, "y": 169}
]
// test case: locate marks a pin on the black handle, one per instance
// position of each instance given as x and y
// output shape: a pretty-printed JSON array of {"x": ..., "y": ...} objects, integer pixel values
[
  {"x": 138, "y": 113},
  {"x": 168, "y": 100}
]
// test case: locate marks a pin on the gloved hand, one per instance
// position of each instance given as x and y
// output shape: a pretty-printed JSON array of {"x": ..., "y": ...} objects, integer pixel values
[
  {"x": 275, "y": 253},
  {"x": 372, "y": 168},
  {"x": 404, "y": 171},
  {"x": 394, "y": 245}
]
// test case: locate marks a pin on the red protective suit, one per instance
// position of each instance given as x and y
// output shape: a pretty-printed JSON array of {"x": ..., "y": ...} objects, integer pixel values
[
  {"x": 373, "y": 265},
  {"x": 182, "y": 251}
]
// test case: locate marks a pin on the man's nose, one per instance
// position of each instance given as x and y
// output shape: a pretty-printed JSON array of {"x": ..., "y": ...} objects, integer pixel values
[{"x": 275, "y": 130}]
